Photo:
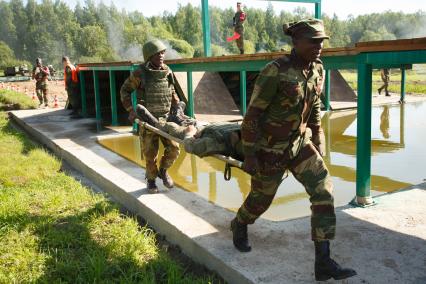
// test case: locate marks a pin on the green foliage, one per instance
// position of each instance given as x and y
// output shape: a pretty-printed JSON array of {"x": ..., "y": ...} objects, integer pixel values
[
  {"x": 182, "y": 47},
  {"x": 50, "y": 29},
  {"x": 16, "y": 100},
  {"x": 6, "y": 55},
  {"x": 55, "y": 230}
]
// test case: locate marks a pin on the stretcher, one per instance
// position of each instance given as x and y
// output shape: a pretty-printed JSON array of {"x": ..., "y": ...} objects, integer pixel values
[{"x": 229, "y": 162}]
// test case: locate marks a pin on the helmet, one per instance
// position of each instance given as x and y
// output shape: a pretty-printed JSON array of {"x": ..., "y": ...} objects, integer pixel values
[
  {"x": 152, "y": 47},
  {"x": 38, "y": 61}
]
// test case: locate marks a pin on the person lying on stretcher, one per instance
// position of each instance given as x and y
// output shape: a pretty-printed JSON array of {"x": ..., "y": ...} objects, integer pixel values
[{"x": 202, "y": 140}]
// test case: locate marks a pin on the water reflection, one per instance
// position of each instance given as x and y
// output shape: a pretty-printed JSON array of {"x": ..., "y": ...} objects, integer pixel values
[{"x": 205, "y": 176}]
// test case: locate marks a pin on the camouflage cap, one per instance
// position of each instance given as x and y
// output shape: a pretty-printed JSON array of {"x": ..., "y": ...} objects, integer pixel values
[{"x": 309, "y": 28}]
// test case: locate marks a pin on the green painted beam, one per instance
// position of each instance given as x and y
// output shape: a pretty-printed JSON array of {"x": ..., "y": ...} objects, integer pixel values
[
  {"x": 205, "y": 18},
  {"x": 105, "y": 68},
  {"x": 228, "y": 66},
  {"x": 243, "y": 92},
  {"x": 327, "y": 90},
  {"x": 113, "y": 93},
  {"x": 318, "y": 10},
  {"x": 402, "y": 99},
  {"x": 395, "y": 57},
  {"x": 190, "y": 94},
  {"x": 340, "y": 62},
  {"x": 97, "y": 95},
  {"x": 83, "y": 94},
  {"x": 363, "y": 150}
]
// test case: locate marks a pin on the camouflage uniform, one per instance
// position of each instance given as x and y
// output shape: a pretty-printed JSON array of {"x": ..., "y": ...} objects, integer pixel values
[
  {"x": 285, "y": 101},
  {"x": 155, "y": 90},
  {"x": 216, "y": 138},
  {"x": 385, "y": 74},
  {"x": 72, "y": 89},
  {"x": 239, "y": 19},
  {"x": 40, "y": 74}
]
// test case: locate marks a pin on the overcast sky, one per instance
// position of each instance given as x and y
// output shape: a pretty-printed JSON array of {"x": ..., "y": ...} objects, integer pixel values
[{"x": 342, "y": 8}]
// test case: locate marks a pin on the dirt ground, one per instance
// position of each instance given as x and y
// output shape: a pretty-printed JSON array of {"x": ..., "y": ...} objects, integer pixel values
[{"x": 55, "y": 88}]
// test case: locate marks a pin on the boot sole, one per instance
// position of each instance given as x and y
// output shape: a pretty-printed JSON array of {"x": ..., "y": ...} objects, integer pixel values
[
  {"x": 326, "y": 277},
  {"x": 238, "y": 248}
]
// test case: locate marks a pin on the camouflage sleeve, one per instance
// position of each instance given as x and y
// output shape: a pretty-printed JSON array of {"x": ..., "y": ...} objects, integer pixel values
[
  {"x": 69, "y": 76},
  {"x": 265, "y": 88},
  {"x": 131, "y": 84},
  {"x": 314, "y": 123}
]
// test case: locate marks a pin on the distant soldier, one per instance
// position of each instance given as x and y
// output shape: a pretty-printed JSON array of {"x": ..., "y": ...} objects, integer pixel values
[
  {"x": 40, "y": 74},
  {"x": 71, "y": 84},
  {"x": 385, "y": 74},
  {"x": 238, "y": 22},
  {"x": 285, "y": 102},
  {"x": 154, "y": 85}
]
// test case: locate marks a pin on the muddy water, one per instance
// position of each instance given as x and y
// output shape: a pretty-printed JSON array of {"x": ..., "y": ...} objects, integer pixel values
[{"x": 398, "y": 160}]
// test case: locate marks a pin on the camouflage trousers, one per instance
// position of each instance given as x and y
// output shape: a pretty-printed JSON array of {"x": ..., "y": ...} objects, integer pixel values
[
  {"x": 150, "y": 145},
  {"x": 384, "y": 86},
  {"x": 42, "y": 96},
  {"x": 310, "y": 170},
  {"x": 240, "y": 40}
]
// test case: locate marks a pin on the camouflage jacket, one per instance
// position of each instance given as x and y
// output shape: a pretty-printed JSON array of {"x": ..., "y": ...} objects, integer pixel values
[
  {"x": 40, "y": 74},
  {"x": 136, "y": 83},
  {"x": 285, "y": 100},
  {"x": 238, "y": 20}
]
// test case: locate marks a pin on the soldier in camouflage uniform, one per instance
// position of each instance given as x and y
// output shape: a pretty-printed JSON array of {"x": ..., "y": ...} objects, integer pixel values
[
  {"x": 40, "y": 74},
  {"x": 71, "y": 85},
  {"x": 285, "y": 102},
  {"x": 216, "y": 138},
  {"x": 153, "y": 83},
  {"x": 385, "y": 74},
  {"x": 238, "y": 23}
]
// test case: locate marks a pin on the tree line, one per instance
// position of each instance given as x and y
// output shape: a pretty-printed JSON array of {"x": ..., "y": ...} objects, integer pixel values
[{"x": 102, "y": 33}]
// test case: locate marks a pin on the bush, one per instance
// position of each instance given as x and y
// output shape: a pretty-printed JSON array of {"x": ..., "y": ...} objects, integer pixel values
[
  {"x": 184, "y": 49},
  {"x": 11, "y": 100}
]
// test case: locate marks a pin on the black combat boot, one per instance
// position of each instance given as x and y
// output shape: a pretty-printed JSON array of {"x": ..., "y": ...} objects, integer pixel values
[
  {"x": 167, "y": 180},
  {"x": 152, "y": 187},
  {"x": 144, "y": 115},
  {"x": 325, "y": 267},
  {"x": 239, "y": 236}
]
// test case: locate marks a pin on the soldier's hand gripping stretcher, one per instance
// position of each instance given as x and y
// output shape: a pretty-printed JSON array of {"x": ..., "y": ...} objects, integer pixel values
[{"x": 221, "y": 140}]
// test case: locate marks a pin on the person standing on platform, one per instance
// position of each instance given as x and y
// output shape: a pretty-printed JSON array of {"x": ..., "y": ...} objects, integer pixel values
[
  {"x": 385, "y": 74},
  {"x": 153, "y": 82},
  {"x": 238, "y": 23},
  {"x": 71, "y": 85},
  {"x": 40, "y": 74},
  {"x": 285, "y": 102}
]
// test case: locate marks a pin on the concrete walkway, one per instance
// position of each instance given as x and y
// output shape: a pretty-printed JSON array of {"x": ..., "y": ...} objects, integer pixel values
[{"x": 385, "y": 243}]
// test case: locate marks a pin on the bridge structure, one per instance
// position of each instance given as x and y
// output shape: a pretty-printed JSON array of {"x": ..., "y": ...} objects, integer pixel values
[{"x": 363, "y": 57}]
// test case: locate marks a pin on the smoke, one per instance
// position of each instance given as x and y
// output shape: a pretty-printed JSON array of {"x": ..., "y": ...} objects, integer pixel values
[
  {"x": 171, "y": 53},
  {"x": 132, "y": 52},
  {"x": 408, "y": 31}
]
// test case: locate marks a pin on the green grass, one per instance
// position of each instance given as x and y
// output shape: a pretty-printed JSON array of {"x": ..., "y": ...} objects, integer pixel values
[
  {"x": 55, "y": 230},
  {"x": 415, "y": 82},
  {"x": 1, "y": 73},
  {"x": 16, "y": 100}
]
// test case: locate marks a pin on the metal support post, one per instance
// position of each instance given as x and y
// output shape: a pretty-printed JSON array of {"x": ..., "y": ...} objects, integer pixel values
[
  {"x": 243, "y": 92},
  {"x": 113, "y": 93},
  {"x": 327, "y": 90},
  {"x": 83, "y": 94},
  {"x": 190, "y": 94},
  {"x": 318, "y": 10},
  {"x": 97, "y": 95},
  {"x": 206, "y": 27},
  {"x": 402, "y": 99},
  {"x": 363, "y": 149}
]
